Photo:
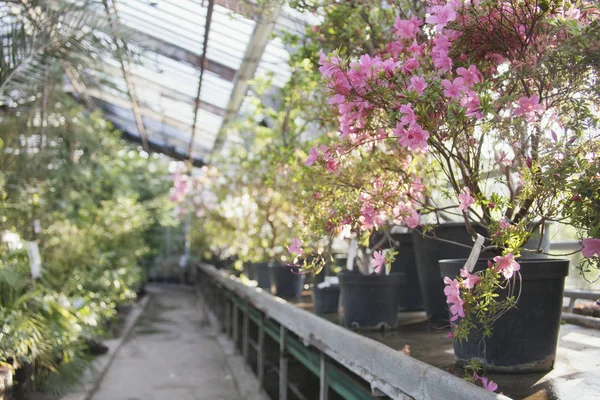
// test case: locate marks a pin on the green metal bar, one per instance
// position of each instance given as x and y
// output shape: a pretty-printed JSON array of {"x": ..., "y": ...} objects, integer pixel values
[{"x": 340, "y": 382}]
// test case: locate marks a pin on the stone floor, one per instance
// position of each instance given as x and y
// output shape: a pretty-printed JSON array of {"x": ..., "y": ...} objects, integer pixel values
[{"x": 169, "y": 355}]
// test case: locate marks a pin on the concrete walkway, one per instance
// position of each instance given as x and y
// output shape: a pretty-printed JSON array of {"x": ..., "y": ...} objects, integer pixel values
[{"x": 169, "y": 355}]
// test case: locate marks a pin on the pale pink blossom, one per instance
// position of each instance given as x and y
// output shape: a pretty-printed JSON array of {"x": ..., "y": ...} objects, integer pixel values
[
  {"x": 469, "y": 280},
  {"x": 409, "y": 114},
  {"x": 295, "y": 247},
  {"x": 591, "y": 247},
  {"x": 415, "y": 48},
  {"x": 466, "y": 200},
  {"x": 418, "y": 84},
  {"x": 413, "y": 220},
  {"x": 453, "y": 89},
  {"x": 529, "y": 107},
  {"x": 471, "y": 75},
  {"x": 441, "y": 15},
  {"x": 452, "y": 292},
  {"x": 489, "y": 385},
  {"x": 378, "y": 261},
  {"x": 506, "y": 265},
  {"x": 313, "y": 155},
  {"x": 413, "y": 138},
  {"x": 442, "y": 62},
  {"x": 407, "y": 28},
  {"x": 411, "y": 64}
]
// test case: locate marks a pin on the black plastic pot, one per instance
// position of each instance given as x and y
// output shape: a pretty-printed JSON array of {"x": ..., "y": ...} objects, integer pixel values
[
  {"x": 410, "y": 297},
  {"x": 525, "y": 338},
  {"x": 326, "y": 300},
  {"x": 370, "y": 301},
  {"x": 285, "y": 283},
  {"x": 428, "y": 252},
  {"x": 260, "y": 273}
]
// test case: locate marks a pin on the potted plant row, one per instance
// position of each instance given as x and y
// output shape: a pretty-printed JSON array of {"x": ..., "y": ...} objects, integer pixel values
[{"x": 473, "y": 112}]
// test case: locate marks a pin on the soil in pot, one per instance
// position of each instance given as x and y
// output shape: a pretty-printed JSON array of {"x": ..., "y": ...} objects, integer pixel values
[
  {"x": 525, "y": 338},
  {"x": 326, "y": 300},
  {"x": 260, "y": 272},
  {"x": 428, "y": 252},
  {"x": 285, "y": 283},
  {"x": 370, "y": 301}
]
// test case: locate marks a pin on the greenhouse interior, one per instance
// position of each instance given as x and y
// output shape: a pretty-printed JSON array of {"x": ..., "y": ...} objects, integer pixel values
[{"x": 299, "y": 199}]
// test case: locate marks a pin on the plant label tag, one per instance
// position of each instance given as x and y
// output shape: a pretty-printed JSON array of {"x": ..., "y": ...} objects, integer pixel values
[
  {"x": 472, "y": 260},
  {"x": 351, "y": 255},
  {"x": 35, "y": 261}
]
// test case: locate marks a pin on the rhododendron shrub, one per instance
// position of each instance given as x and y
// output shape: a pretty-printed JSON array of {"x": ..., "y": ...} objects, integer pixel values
[{"x": 494, "y": 95}]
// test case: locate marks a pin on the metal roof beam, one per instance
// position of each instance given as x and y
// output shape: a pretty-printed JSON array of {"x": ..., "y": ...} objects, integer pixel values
[
  {"x": 180, "y": 54},
  {"x": 164, "y": 90},
  {"x": 166, "y": 150},
  {"x": 166, "y": 48},
  {"x": 254, "y": 51}
]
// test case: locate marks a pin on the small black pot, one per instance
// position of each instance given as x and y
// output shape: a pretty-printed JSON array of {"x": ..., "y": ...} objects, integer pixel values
[
  {"x": 370, "y": 301},
  {"x": 525, "y": 338},
  {"x": 428, "y": 252},
  {"x": 285, "y": 283},
  {"x": 410, "y": 297},
  {"x": 260, "y": 273},
  {"x": 326, "y": 300}
]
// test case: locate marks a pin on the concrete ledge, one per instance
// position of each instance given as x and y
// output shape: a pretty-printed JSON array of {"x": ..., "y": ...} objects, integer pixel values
[
  {"x": 581, "y": 320},
  {"x": 93, "y": 376},
  {"x": 387, "y": 371}
]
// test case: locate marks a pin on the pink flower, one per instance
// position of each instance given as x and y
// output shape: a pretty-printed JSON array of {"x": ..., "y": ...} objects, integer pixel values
[
  {"x": 412, "y": 138},
  {"x": 529, "y": 107},
  {"x": 466, "y": 200},
  {"x": 453, "y": 89},
  {"x": 441, "y": 15},
  {"x": 415, "y": 48},
  {"x": 489, "y": 385},
  {"x": 413, "y": 220},
  {"x": 469, "y": 280},
  {"x": 409, "y": 115},
  {"x": 471, "y": 76},
  {"x": 411, "y": 64},
  {"x": 313, "y": 155},
  {"x": 450, "y": 335},
  {"x": 418, "y": 84},
  {"x": 452, "y": 292},
  {"x": 504, "y": 223},
  {"x": 507, "y": 265},
  {"x": 295, "y": 247},
  {"x": 407, "y": 28},
  {"x": 591, "y": 247},
  {"x": 394, "y": 48},
  {"x": 442, "y": 62},
  {"x": 378, "y": 261}
]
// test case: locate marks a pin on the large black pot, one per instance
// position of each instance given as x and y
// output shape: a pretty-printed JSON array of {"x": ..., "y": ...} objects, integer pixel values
[
  {"x": 370, "y": 301},
  {"x": 285, "y": 283},
  {"x": 326, "y": 300},
  {"x": 410, "y": 297},
  {"x": 260, "y": 273},
  {"x": 525, "y": 338},
  {"x": 428, "y": 252}
]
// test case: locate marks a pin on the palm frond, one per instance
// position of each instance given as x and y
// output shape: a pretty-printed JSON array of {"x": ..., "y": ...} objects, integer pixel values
[{"x": 35, "y": 37}]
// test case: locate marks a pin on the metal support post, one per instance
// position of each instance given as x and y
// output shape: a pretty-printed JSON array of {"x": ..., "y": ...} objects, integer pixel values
[
  {"x": 227, "y": 318},
  {"x": 283, "y": 364},
  {"x": 323, "y": 384},
  {"x": 236, "y": 325},
  {"x": 260, "y": 353},
  {"x": 245, "y": 332}
]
